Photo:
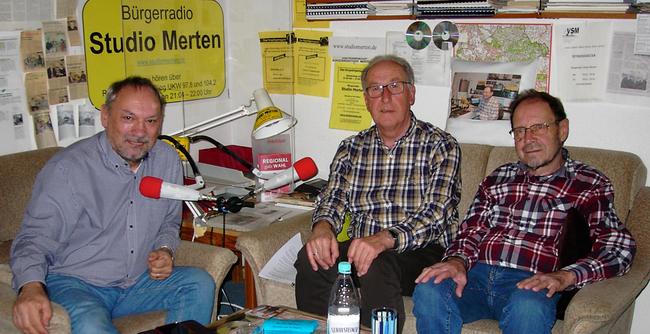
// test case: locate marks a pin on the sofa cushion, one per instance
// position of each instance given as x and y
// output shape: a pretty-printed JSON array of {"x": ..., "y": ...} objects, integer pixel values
[
  {"x": 17, "y": 174},
  {"x": 625, "y": 170},
  {"x": 137, "y": 323},
  {"x": 472, "y": 172},
  {"x": 5, "y": 247}
]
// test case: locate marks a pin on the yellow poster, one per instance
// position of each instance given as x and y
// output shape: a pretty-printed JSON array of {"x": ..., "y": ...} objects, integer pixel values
[
  {"x": 348, "y": 106},
  {"x": 277, "y": 61},
  {"x": 178, "y": 44},
  {"x": 312, "y": 62},
  {"x": 300, "y": 17}
]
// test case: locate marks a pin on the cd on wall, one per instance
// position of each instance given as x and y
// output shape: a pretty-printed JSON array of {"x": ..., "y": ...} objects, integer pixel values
[
  {"x": 418, "y": 35},
  {"x": 445, "y": 31}
]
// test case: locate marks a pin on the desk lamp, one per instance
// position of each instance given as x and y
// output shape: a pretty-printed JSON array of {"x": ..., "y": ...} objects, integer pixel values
[{"x": 270, "y": 121}]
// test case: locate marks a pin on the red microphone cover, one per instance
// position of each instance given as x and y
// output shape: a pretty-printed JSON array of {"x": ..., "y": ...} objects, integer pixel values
[
  {"x": 305, "y": 168},
  {"x": 150, "y": 187}
]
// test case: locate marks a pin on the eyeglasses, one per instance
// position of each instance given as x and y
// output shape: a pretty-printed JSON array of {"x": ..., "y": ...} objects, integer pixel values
[
  {"x": 535, "y": 129},
  {"x": 394, "y": 88}
]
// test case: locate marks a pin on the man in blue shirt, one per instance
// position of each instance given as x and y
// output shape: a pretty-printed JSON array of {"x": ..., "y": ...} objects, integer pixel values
[{"x": 91, "y": 242}]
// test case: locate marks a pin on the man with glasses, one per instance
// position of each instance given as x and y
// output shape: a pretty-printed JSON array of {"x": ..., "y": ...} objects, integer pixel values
[
  {"x": 399, "y": 182},
  {"x": 506, "y": 264}
]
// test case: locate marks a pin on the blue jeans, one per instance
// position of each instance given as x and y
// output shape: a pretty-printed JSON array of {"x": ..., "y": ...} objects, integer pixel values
[
  {"x": 490, "y": 293},
  {"x": 188, "y": 293}
]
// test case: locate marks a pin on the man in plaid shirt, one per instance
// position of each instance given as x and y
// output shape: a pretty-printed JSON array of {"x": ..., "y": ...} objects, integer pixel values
[
  {"x": 505, "y": 263},
  {"x": 488, "y": 108},
  {"x": 400, "y": 182}
]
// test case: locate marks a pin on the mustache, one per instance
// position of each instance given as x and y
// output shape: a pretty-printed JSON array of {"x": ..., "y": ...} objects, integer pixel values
[
  {"x": 531, "y": 146},
  {"x": 139, "y": 140}
]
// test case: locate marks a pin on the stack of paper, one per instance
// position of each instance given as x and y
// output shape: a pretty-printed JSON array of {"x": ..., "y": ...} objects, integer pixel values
[
  {"x": 521, "y": 6},
  {"x": 462, "y": 8},
  {"x": 323, "y": 10},
  {"x": 588, "y": 6},
  {"x": 390, "y": 7}
]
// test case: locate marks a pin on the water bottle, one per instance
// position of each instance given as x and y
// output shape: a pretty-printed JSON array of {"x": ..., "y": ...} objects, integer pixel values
[{"x": 343, "y": 309}]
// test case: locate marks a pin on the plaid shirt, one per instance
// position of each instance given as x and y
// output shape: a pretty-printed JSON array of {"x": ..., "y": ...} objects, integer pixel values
[
  {"x": 516, "y": 221},
  {"x": 488, "y": 109},
  {"x": 412, "y": 189}
]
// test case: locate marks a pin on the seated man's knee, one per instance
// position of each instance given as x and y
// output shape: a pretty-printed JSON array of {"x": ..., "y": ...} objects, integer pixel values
[
  {"x": 429, "y": 295},
  {"x": 531, "y": 304},
  {"x": 199, "y": 277},
  {"x": 302, "y": 261},
  {"x": 89, "y": 318}
]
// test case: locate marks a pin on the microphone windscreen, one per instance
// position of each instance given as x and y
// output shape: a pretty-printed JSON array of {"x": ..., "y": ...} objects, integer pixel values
[
  {"x": 305, "y": 168},
  {"x": 150, "y": 187}
]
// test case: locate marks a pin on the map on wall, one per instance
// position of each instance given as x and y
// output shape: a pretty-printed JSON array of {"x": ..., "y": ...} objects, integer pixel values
[{"x": 503, "y": 43}]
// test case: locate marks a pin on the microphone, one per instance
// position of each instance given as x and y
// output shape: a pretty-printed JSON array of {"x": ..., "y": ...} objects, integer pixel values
[
  {"x": 153, "y": 187},
  {"x": 304, "y": 169}
]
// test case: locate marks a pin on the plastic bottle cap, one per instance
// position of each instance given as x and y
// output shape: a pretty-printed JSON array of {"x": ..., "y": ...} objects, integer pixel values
[{"x": 345, "y": 267}]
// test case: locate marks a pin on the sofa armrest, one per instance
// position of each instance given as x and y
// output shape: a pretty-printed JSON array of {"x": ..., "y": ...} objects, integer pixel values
[
  {"x": 59, "y": 324},
  {"x": 599, "y": 305},
  {"x": 215, "y": 260},
  {"x": 258, "y": 246}
]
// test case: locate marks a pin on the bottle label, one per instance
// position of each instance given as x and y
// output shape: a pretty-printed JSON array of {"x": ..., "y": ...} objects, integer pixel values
[{"x": 343, "y": 324}]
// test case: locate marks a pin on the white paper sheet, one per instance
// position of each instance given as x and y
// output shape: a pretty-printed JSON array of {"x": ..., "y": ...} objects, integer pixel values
[
  {"x": 280, "y": 267},
  {"x": 355, "y": 49},
  {"x": 582, "y": 51}
]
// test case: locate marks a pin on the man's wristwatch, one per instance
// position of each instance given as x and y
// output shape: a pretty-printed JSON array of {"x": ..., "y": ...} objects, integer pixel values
[
  {"x": 168, "y": 250},
  {"x": 393, "y": 234}
]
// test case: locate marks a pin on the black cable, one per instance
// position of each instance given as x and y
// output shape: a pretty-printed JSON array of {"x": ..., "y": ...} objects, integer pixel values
[
  {"x": 223, "y": 231},
  {"x": 224, "y": 149},
  {"x": 181, "y": 148}
]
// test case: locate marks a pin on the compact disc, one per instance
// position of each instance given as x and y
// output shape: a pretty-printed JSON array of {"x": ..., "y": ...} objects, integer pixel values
[
  {"x": 445, "y": 31},
  {"x": 418, "y": 35}
]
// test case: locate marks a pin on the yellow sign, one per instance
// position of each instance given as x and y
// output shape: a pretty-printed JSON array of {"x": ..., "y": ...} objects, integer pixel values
[
  {"x": 277, "y": 60},
  {"x": 349, "y": 110},
  {"x": 312, "y": 62},
  {"x": 178, "y": 44}
]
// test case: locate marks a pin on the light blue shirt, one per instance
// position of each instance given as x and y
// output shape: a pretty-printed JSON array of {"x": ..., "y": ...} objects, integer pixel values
[{"x": 87, "y": 218}]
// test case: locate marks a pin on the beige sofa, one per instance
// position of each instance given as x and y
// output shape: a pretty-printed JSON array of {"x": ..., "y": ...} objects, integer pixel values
[
  {"x": 603, "y": 307},
  {"x": 17, "y": 174}
]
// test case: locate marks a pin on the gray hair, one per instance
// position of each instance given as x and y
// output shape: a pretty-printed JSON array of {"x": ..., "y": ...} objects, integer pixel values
[
  {"x": 135, "y": 82},
  {"x": 403, "y": 63}
]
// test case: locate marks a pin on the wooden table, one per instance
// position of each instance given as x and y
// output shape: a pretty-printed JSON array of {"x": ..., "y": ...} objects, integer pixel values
[
  {"x": 279, "y": 312},
  {"x": 240, "y": 271}
]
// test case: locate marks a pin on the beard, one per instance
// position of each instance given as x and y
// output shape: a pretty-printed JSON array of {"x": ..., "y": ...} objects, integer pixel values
[
  {"x": 135, "y": 155},
  {"x": 538, "y": 163}
]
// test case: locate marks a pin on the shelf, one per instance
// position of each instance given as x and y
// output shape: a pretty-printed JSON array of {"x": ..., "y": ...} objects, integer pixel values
[
  {"x": 538, "y": 15},
  {"x": 565, "y": 15}
]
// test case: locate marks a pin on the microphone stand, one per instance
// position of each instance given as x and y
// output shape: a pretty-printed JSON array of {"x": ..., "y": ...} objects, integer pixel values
[{"x": 221, "y": 205}]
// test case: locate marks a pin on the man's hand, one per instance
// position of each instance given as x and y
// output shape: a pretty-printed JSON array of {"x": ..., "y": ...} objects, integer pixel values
[
  {"x": 453, "y": 268},
  {"x": 322, "y": 247},
  {"x": 32, "y": 309},
  {"x": 365, "y": 250},
  {"x": 555, "y": 282},
  {"x": 160, "y": 264}
]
